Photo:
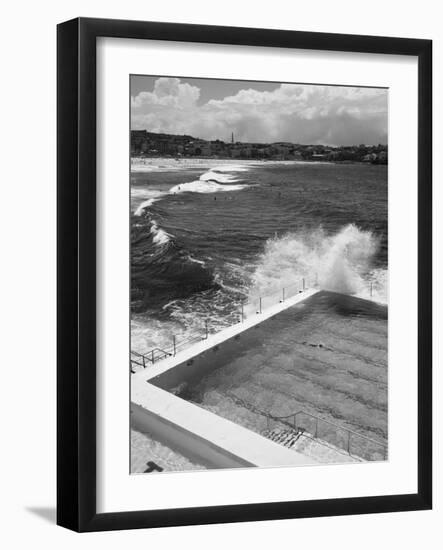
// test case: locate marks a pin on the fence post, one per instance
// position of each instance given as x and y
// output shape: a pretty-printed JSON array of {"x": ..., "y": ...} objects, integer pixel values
[
  {"x": 206, "y": 329},
  {"x": 303, "y": 283},
  {"x": 143, "y": 358},
  {"x": 152, "y": 356},
  {"x": 371, "y": 290},
  {"x": 283, "y": 295},
  {"x": 173, "y": 343},
  {"x": 260, "y": 304},
  {"x": 349, "y": 442}
]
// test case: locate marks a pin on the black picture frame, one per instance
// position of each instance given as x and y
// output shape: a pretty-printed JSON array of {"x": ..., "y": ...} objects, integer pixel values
[{"x": 76, "y": 264}]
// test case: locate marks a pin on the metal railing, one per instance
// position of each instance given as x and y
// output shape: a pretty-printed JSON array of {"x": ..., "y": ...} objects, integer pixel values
[
  {"x": 247, "y": 309},
  {"x": 325, "y": 432},
  {"x": 352, "y": 442},
  {"x": 143, "y": 360}
]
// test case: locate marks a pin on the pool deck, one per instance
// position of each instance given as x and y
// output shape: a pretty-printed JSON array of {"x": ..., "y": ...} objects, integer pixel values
[{"x": 148, "y": 455}]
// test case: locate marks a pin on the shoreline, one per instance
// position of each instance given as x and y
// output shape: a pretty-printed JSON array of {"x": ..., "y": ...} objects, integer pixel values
[
  {"x": 152, "y": 164},
  {"x": 146, "y": 164}
]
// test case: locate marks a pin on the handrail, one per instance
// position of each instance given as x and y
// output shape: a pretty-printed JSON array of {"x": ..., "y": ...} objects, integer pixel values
[
  {"x": 293, "y": 426},
  {"x": 348, "y": 431},
  {"x": 152, "y": 356},
  {"x": 328, "y": 422}
]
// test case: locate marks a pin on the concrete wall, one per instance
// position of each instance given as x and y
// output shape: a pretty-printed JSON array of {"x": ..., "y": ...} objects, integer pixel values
[
  {"x": 201, "y": 435},
  {"x": 189, "y": 444}
]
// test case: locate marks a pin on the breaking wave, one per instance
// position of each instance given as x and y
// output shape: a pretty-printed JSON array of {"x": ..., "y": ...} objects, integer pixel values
[
  {"x": 342, "y": 262},
  {"x": 218, "y": 176},
  {"x": 159, "y": 236},
  {"x": 143, "y": 206},
  {"x": 205, "y": 186},
  {"x": 150, "y": 196},
  {"x": 214, "y": 180}
]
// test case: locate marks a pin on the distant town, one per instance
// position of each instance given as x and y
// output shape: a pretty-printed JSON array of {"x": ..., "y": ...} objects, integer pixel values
[{"x": 150, "y": 144}]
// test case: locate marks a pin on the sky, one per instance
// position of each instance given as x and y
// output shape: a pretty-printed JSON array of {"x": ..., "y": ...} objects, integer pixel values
[{"x": 261, "y": 112}]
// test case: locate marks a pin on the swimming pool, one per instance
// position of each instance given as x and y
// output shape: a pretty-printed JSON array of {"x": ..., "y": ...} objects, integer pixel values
[{"x": 325, "y": 358}]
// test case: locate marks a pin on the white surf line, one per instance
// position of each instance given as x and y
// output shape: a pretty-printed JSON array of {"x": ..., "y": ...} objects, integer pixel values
[{"x": 212, "y": 180}]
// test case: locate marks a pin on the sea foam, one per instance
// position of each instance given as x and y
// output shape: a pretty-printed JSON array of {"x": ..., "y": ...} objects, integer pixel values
[
  {"x": 341, "y": 262},
  {"x": 143, "y": 206},
  {"x": 204, "y": 186},
  {"x": 159, "y": 236},
  {"x": 214, "y": 180}
]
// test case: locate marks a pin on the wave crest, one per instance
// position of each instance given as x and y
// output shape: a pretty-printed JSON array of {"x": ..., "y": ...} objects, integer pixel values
[
  {"x": 159, "y": 236},
  {"x": 205, "y": 186},
  {"x": 341, "y": 262},
  {"x": 212, "y": 181}
]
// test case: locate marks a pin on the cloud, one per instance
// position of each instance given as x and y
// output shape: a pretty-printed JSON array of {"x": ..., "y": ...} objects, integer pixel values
[{"x": 292, "y": 112}]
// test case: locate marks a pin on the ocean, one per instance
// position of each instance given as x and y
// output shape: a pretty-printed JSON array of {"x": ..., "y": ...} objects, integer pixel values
[{"x": 207, "y": 235}]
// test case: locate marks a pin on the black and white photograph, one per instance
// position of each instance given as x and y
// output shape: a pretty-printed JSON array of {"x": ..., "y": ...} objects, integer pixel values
[
  {"x": 222, "y": 314},
  {"x": 258, "y": 274}
]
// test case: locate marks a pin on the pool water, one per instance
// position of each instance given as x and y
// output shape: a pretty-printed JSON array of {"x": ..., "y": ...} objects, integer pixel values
[{"x": 326, "y": 357}]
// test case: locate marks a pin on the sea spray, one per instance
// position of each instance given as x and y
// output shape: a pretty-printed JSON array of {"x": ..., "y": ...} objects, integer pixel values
[{"x": 341, "y": 262}]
